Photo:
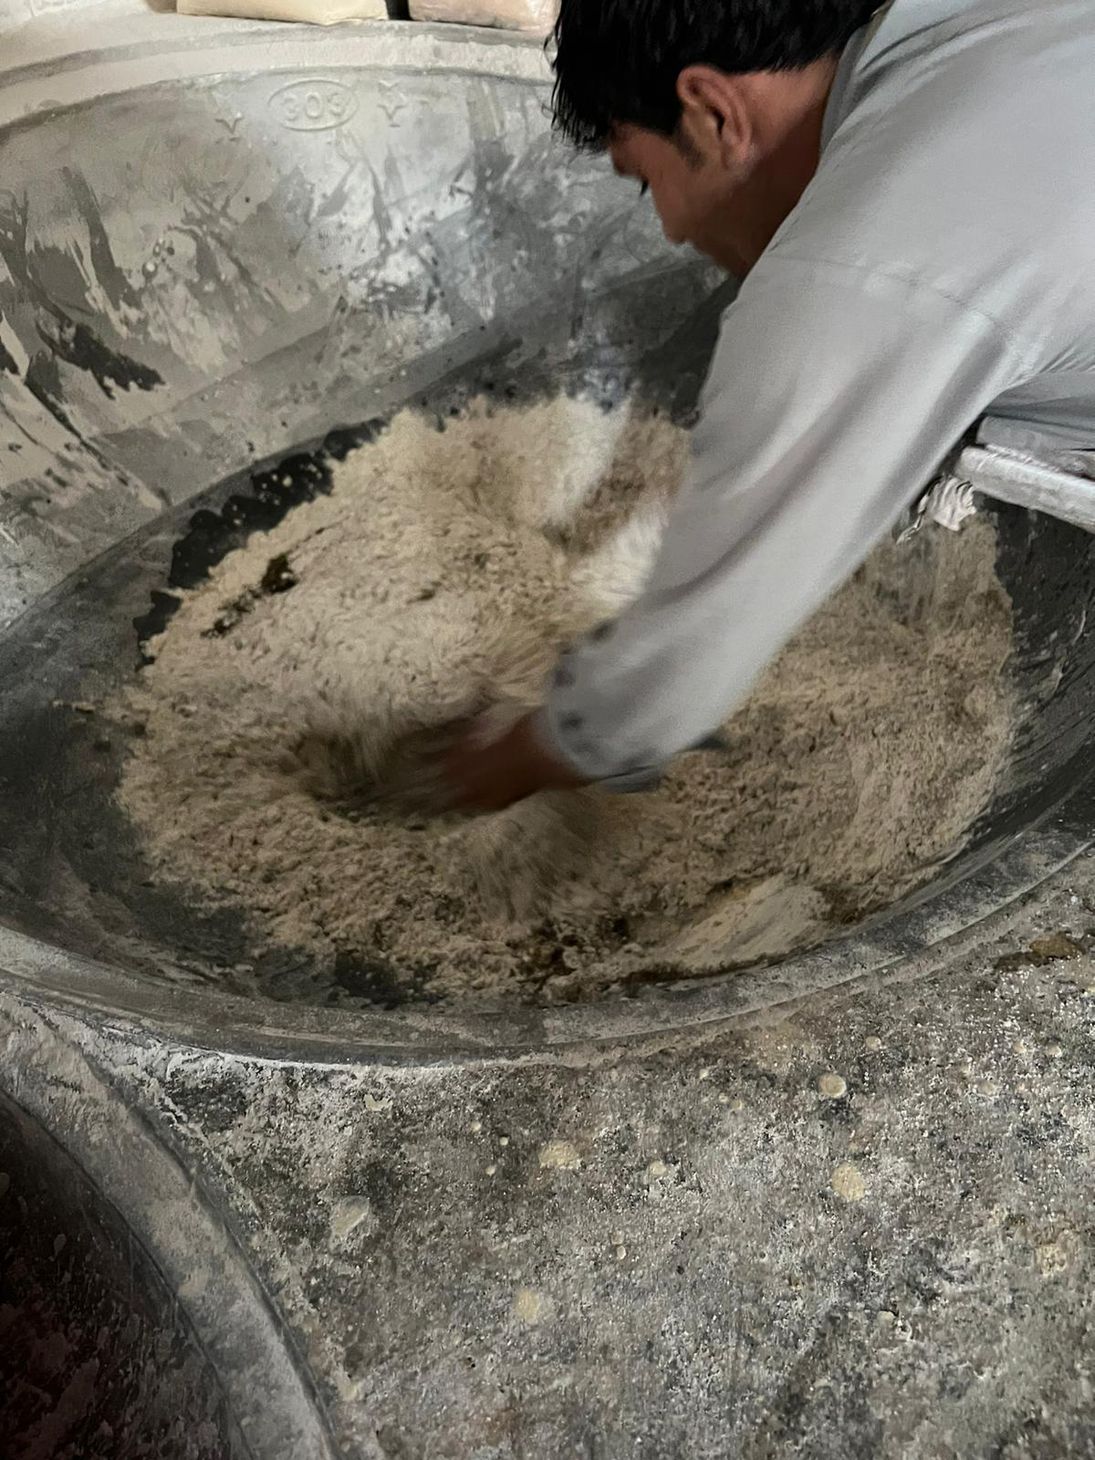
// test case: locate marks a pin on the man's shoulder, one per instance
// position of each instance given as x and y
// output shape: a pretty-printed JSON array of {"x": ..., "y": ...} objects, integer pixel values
[{"x": 949, "y": 164}]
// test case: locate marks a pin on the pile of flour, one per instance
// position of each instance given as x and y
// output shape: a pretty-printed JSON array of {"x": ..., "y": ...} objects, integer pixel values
[{"x": 440, "y": 574}]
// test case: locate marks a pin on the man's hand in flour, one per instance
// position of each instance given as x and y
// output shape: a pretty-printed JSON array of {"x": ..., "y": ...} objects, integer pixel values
[{"x": 487, "y": 774}]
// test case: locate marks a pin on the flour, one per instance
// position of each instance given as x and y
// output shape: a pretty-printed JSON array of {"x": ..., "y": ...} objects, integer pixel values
[
  {"x": 848, "y": 1183},
  {"x": 441, "y": 574}
]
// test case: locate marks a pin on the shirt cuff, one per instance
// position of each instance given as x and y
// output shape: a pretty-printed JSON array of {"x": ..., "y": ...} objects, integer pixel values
[{"x": 560, "y": 739}]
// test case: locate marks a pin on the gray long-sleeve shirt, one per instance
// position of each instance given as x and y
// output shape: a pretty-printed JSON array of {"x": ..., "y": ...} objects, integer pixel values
[{"x": 939, "y": 268}]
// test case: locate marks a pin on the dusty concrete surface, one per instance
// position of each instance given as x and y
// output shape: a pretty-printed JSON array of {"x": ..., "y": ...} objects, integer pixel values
[{"x": 866, "y": 1232}]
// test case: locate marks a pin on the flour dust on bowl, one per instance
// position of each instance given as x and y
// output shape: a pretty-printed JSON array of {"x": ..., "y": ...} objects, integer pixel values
[{"x": 320, "y": 436}]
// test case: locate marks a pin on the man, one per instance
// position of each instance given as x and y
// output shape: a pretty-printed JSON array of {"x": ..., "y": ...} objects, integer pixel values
[{"x": 909, "y": 198}]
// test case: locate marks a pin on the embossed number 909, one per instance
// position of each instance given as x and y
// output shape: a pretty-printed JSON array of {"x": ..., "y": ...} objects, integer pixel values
[{"x": 315, "y": 105}]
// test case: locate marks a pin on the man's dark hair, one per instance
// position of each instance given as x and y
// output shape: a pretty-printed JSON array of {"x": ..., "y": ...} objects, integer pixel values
[{"x": 619, "y": 60}]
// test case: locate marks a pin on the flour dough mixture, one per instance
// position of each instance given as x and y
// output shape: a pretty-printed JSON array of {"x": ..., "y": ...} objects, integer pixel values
[{"x": 441, "y": 572}]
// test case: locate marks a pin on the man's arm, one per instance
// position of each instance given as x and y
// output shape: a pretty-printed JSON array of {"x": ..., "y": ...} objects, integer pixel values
[{"x": 833, "y": 396}]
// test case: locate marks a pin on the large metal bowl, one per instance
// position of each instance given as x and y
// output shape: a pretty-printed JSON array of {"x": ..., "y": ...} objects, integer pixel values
[{"x": 220, "y": 244}]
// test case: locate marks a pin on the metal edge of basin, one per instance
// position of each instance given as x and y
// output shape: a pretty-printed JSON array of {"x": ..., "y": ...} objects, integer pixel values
[
  {"x": 177, "y": 1230},
  {"x": 924, "y": 934},
  {"x": 43, "y": 69}
]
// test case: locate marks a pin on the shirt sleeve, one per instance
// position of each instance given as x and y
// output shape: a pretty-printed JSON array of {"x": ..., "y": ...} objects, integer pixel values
[{"x": 833, "y": 396}]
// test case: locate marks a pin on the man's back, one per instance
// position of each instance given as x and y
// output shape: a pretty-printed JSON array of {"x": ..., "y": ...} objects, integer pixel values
[{"x": 960, "y": 155}]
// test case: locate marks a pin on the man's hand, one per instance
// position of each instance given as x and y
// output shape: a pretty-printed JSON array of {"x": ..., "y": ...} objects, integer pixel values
[{"x": 491, "y": 775}]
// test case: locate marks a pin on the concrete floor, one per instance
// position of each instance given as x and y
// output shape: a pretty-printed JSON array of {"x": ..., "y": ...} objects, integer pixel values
[{"x": 867, "y": 1231}]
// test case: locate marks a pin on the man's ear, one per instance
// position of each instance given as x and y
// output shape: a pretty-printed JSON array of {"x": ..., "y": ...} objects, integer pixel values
[{"x": 716, "y": 125}]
